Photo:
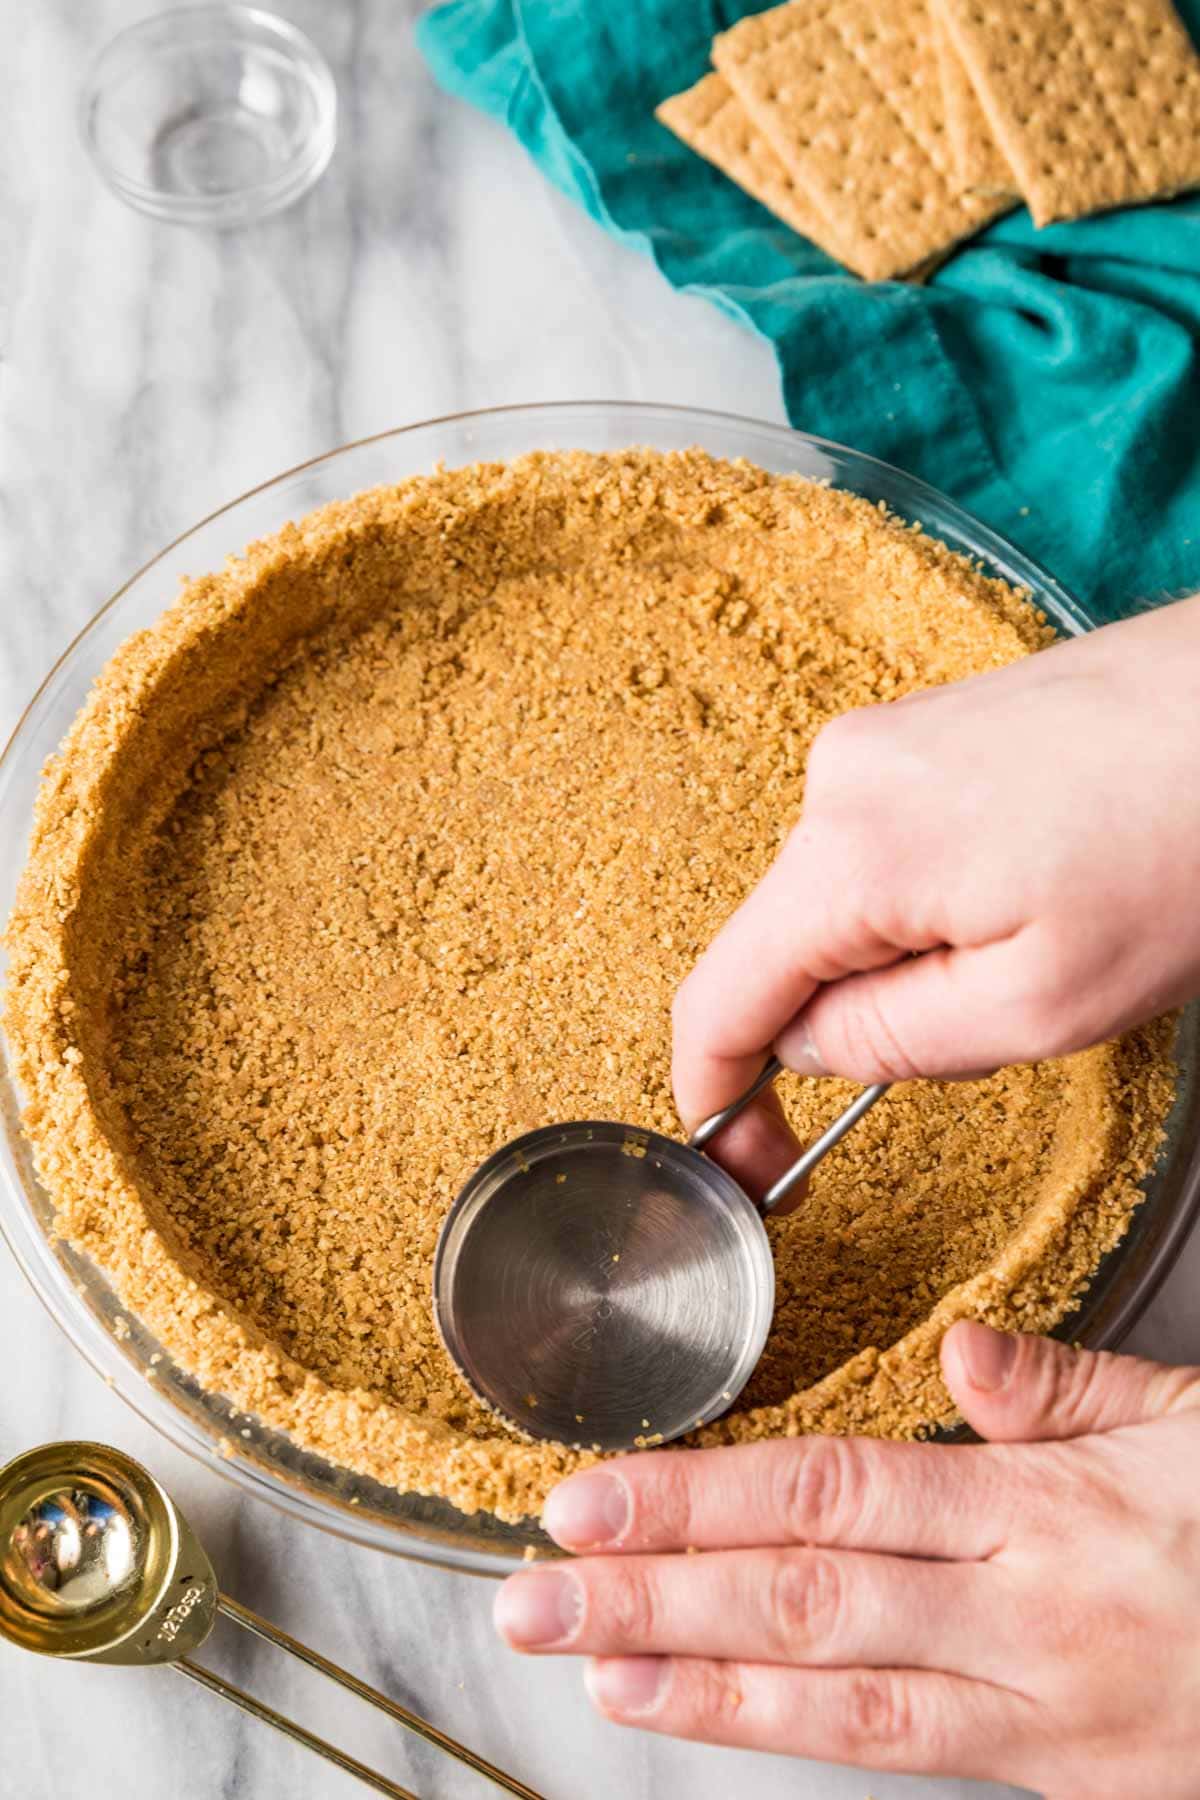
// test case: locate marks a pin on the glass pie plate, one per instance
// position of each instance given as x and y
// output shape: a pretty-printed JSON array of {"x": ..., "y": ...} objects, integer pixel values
[{"x": 77, "y": 1293}]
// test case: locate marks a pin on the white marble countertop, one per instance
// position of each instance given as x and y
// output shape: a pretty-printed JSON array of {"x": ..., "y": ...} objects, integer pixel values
[{"x": 147, "y": 374}]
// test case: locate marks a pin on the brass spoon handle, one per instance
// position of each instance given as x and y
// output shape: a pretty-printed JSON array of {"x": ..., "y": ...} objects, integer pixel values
[
  {"x": 140, "y": 1615},
  {"x": 272, "y": 1634},
  {"x": 258, "y": 1709}
]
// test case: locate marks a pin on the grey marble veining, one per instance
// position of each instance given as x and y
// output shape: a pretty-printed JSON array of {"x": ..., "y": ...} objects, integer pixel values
[{"x": 148, "y": 374}]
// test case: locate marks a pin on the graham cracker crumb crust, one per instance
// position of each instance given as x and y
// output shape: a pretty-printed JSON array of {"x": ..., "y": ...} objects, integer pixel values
[{"x": 393, "y": 838}]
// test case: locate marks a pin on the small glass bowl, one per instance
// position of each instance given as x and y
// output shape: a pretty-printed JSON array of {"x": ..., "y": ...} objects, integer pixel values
[
  {"x": 212, "y": 115},
  {"x": 79, "y": 1295}
]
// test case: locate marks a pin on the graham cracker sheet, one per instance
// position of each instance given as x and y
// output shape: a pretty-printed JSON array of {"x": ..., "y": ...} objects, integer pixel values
[
  {"x": 849, "y": 95},
  {"x": 981, "y": 164},
  {"x": 709, "y": 119},
  {"x": 1094, "y": 103}
]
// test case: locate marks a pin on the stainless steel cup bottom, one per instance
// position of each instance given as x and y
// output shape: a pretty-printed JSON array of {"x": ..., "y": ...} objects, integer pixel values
[{"x": 604, "y": 1286}]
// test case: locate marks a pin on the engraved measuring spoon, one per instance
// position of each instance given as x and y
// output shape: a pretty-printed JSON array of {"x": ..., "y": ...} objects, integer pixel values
[{"x": 97, "y": 1563}]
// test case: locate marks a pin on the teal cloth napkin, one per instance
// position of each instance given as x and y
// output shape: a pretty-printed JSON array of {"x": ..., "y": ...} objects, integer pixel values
[{"x": 1049, "y": 380}]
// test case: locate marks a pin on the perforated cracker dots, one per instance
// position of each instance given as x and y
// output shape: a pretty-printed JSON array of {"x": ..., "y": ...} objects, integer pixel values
[
  {"x": 710, "y": 120},
  {"x": 1110, "y": 71},
  {"x": 881, "y": 77},
  {"x": 908, "y": 79}
]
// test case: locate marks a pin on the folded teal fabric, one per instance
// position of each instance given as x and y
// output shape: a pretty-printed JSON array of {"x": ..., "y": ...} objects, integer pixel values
[{"x": 1049, "y": 380}]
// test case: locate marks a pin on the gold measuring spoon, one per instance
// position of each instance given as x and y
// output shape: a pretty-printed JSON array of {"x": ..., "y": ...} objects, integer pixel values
[{"x": 97, "y": 1563}]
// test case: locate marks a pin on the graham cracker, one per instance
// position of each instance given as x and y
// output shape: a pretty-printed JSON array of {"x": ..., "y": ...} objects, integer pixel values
[
  {"x": 709, "y": 119},
  {"x": 982, "y": 165},
  {"x": 1095, "y": 103},
  {"x": 848, "y": 93}
]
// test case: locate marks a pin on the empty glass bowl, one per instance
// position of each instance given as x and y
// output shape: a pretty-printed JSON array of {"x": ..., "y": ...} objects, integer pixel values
[{"x": 212, "y": 115}]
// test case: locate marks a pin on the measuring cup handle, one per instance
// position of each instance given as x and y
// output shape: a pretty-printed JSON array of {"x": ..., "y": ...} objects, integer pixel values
[
  {"x": 704, "y": 1133},
  {"x": 804, "y": 1165}
]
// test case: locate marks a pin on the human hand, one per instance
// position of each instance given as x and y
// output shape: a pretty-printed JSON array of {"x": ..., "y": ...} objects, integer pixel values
[
  {"x": 1033, "y": 833},
  {"x": 1026, "y": 1610}
]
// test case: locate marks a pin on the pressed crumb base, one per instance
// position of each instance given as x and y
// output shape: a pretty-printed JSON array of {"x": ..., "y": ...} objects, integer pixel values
[{"x": 393, "y": 840}]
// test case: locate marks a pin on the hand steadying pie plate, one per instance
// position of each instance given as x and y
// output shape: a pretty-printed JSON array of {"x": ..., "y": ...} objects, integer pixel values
[{"x": 1025, "y": 1609}]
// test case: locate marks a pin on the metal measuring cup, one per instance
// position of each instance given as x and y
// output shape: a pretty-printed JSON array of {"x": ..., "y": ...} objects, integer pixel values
[{"x": 608, "y": 1287}]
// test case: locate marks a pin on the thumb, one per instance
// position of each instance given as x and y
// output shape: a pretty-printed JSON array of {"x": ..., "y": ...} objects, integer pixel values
[
  {"x": 945, "y": 1014},
  {"x": 1028, "y": 1389}
]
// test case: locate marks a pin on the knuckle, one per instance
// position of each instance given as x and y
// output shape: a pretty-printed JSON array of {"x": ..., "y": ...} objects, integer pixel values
[
  {"x": 1047, "y": 1621},
  {"x": 871, "y": 1041},
  {"x": 687, "y": 1002},
  {"x": 660, "y": 1489},
  {"x": 877, "y": 1719},
  {"x": 1060, "y": 1629},
  {"x": 1045, "y": 1485},
  {"x": 1076, "y": 1385},
  {"x": 845, "y": 854},
  {"x": 628, "y": 1607},
  {"x": 854, "y": 868},
  {"x": 1032, "y": 1028},
  {"x": 1069, "y": 1387},
  {"x": 805, "y": 1603},
  {"x": 1045, "y": 1008},
  {"x": 883, "y": 741},
  {"x": 1044, "y": 1034},
  {"x": 708, "y": 1700},
  {"x": 845, "y": 739},
  {"x": 821, "y": 1487},
  {"x": 836, "y": 894},
  {"x": 834, "y": 840},
  {"x": 1176, "y": 1390},
  {"x": 702, "y": 1700}
]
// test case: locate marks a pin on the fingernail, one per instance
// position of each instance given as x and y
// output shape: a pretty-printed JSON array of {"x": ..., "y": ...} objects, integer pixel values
[
  {"x": 537, "y": 1610},
  {"x": 988, "y": 1356},
  {"x": 798, "y": 1052},
  {"x": 632, "y": 1685},
  {"x": 587, "y": 1511}
]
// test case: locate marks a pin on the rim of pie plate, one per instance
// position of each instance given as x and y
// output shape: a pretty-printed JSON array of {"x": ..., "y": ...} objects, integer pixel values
[{"x": 76, "y": 1293}]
